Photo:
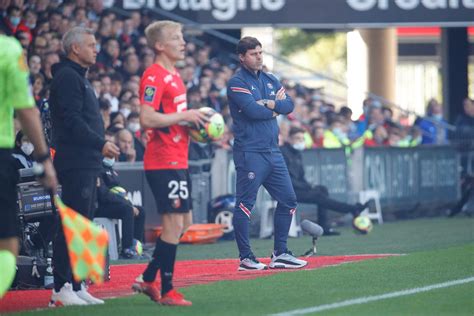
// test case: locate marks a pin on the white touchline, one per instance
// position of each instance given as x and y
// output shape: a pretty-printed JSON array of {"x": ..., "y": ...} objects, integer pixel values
[{"x": 367, "y": 299}]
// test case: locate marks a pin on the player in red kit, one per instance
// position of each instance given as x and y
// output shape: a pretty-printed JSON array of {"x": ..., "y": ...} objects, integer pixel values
[{"x": 164, "y": 113}]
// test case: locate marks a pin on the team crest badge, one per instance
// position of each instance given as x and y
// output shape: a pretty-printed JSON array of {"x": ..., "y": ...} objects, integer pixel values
[
  {"x": 149, "y": 93},
  {"x": 176, "y": 203},
  {"x": 269, "y": 85},
  {"x": 251, "y": 175}
]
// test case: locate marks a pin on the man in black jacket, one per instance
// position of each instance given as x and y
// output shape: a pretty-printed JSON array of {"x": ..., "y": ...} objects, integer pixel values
[
  {"x": 465, "y": 122},
  {"x": 464, "y": 141},
  {"x": 113, "y": 203},
  {"x": 305, "y": 192},
  {"x": 78, "y": 137}
]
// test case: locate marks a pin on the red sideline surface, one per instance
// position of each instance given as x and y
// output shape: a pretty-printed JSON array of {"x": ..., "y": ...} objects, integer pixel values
[{"x": 187, "y": 273}]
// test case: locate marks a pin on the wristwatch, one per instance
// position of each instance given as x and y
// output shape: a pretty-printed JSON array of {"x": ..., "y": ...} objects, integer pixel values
[
  {"x": 43, "y": 158},
  {"x": 265, "y": 103}
]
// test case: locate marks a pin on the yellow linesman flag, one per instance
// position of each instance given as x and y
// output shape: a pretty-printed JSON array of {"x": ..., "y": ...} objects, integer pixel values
[{"x": 86, "y": 242}]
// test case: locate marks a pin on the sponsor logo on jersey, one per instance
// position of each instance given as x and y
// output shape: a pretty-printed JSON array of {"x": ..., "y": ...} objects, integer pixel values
[
  {"x": 149, "y": 93},
  {"x": 176, "y": 203},
  {"x": 168, "y": 78},
  {"x": 180, "y": 98}
]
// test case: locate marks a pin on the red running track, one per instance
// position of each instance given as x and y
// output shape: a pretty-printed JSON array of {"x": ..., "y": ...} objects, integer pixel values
[{"x": 187, "y": 273}]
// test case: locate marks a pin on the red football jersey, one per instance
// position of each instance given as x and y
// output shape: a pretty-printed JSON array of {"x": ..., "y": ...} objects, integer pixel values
[{"x": 167, "y": 147}]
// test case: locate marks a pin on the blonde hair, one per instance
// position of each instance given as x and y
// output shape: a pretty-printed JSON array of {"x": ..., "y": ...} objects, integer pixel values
[{"x": 155, "y": 31}]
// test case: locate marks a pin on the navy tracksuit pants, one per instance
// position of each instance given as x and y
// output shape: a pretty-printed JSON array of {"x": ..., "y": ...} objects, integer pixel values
[{"x": 253, "y": 170}]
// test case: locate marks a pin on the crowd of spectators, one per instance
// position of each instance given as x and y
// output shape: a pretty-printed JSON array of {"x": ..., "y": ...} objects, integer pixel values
[{"x": 123, "y": 55}]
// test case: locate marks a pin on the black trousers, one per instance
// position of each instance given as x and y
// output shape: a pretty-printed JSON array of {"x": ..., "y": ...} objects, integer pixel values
[
  {"x": 9, "y": 227},
  {"x": 139, "y": 225},
  {"x": 45, "y": 233},
  {"x": 319, "y": 195},
  {"x": 79, "y": 191},
  {"x": 132, "y": 226},
  {"x": 467, "y": 188}
]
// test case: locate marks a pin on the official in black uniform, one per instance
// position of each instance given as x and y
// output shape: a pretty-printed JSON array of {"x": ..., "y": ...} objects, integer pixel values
[
  {"x": 116, "y": 205},
  {"x": 305, "y": 192}
]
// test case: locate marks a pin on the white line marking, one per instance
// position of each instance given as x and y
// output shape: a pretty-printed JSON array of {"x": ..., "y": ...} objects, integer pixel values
[{"x": 367, "y": 299}]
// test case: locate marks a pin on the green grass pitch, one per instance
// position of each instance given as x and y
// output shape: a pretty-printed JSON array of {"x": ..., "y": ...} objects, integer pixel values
[{"x": 434, "y": 251}]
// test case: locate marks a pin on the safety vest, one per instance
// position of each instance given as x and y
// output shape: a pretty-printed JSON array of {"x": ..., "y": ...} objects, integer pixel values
[
  {"x": 359, "y": 142},
  {"x": 332, "y": 141}
]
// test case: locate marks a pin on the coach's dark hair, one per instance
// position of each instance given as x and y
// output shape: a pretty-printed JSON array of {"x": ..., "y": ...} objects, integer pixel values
[{"x": 247, "y": 43}]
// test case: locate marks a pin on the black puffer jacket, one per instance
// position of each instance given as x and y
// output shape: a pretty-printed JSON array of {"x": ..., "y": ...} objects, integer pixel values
[{"x": 294, "y": 162}]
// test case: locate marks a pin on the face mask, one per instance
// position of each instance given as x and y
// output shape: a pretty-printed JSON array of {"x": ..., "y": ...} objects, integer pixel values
[
  {"x": 133, "y": 127},
  {"x": 126, "y": 112},
  {"x": 15, "y": 20},
  {"x": 438, "y": 117},
  {"x": 223, "y": 92},
  {"x": 27, "y": 148},
  {"x": 299, "y": 146},
  {"x": 108, "y": 162}
]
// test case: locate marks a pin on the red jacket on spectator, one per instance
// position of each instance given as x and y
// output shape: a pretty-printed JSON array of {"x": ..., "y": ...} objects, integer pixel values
[
  {"x": 318, "y": 142},
  {"x": 23, "y": 28},
  {"x": 370, "y": 142}
]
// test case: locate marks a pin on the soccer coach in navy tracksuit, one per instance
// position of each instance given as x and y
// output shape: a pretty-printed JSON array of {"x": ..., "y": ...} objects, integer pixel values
[{"x": 256, "y": 98}]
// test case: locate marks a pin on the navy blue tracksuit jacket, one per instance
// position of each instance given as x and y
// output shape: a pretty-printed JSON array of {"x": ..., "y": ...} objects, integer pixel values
[
  {"x": 257, "y": 157},
  {"x": 255, "y": 129}
]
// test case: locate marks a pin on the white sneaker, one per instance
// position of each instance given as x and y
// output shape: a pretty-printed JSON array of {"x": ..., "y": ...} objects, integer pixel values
[
  {"x": 286, "y": 261},
  {"x": 251, "y": 263},
  {"x": 65, "y": 297},
  {"x": 87, "y": 297}
]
